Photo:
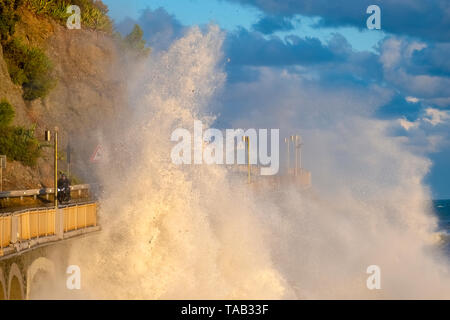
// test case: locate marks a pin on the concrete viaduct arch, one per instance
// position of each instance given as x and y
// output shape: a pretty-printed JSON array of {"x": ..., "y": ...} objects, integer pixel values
[
  {"x": 15, "y": 284},
  {"x": 41, "y": 264},
  {"x": 3, "y": 286},
  {"x": 23, "y": 275}
]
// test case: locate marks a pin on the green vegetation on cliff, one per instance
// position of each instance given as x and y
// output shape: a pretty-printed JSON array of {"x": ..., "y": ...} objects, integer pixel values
[
  {"x": 134, "y": 42},
  {"x": 8, "y": 17},
  {"x": 16, "y": 142},
  {"x": 7, "y": 113},
  {"x": 30, "y": 68},
  {"x": 93, "y": 13}
]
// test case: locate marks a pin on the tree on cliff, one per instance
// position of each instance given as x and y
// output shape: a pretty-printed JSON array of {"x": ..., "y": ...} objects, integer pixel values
[
  {"x": 135, "y": 41},
  {"x": 17, "y": 142},
  {"x": 30, "y": 68},
  {"x": 8, "y": 18}
]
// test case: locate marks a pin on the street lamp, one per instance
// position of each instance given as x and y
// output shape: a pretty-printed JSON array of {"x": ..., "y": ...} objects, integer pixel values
[
  {"x": 286, "y": 140},
  {"x": 55, "y": 161},
  {"x": 296, "y": 144}
]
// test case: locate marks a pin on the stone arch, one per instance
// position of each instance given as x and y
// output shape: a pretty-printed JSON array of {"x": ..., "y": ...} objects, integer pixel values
[
  {"x": 2, "y": 286},
  {"x": 38, "y": 265},
  {"x": 15, "y": 284}
]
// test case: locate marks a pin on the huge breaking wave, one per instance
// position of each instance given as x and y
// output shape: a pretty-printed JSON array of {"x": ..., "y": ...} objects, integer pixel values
[{"x": 190, "y": 232}]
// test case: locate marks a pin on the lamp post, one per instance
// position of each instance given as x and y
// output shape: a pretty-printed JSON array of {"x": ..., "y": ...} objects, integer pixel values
[
  {"x": 299, "y": 146},
  {"x": 286, "y": 140},
  {"x": 69, "y": 160},
  {"x": 55, "y": 162},
  {"x": 293, "y": 139},
  {"x": 2, "y": 166},
  {"x": 296, "y": 145},
  {"x": 56, "y": 167}
]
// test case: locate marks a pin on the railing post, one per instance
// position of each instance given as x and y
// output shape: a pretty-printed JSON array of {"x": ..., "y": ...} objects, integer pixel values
[
  {"x": 29, "y": 225},
  {"x": 38, "y": 223},
  {"x": 59, "y": 223},
  {"x": 1, "y": 237},
  {"x": 76, "y": 217},
  {"x": 14, "y": 228}
]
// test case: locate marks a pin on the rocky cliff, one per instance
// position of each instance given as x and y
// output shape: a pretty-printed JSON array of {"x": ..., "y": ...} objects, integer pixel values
[{"x": 89, "y": 90}]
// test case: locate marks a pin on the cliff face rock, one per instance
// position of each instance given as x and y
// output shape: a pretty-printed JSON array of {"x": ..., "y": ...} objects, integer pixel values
[
  {"x": 87, "y": 67},
  {"x": 12, "y": 93},
  {"x": 88, "y": 93},
  {"x": 16, "y": 175}
]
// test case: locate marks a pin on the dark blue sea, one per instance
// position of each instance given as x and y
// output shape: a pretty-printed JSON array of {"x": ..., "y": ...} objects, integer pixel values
[{"x": 442, "y": 209}]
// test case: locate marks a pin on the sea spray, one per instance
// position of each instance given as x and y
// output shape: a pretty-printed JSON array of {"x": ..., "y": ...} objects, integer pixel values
[{"x": 192, "y": 232}]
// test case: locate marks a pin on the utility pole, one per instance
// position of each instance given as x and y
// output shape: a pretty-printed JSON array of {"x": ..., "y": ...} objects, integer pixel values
[
  {"x": 293, "y": 138},
  {"x": 296, "y": 156},
  {"x": 55, "y": 162},
  {"x": 296, "y": 145},
  {"x": 69, "y": 160},
  {"x": 56, "y": 167},
  {"x": 300, "y": 154},
  {"x": 2, "y": 166},
  {"x": 286, "y": 140}
]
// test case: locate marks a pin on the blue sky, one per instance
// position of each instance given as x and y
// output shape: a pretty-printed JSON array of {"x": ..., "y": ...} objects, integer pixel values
[
  {"x": 406, "y": 62},
  {"x": 231, "y": 15}
]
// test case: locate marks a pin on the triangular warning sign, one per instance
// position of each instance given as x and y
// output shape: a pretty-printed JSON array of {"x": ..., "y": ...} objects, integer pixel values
[{"x": 98, "y": 154}]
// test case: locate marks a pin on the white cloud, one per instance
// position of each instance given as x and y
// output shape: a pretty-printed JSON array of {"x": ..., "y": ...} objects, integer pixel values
[
  {"x": 412, "y": 99},
  {"x": 400, "y": 69},
  {"x": 391, "y": 52},
  {"x": 408, "y": 124},
  {"x": 436, "y": 116}
]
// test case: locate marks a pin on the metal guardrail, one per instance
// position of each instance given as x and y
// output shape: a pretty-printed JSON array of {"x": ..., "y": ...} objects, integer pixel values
[
  {"x": 37, "y": 192},
  {"x": 79, "y": 216},
  {"x": 32, "y": 224},
  {"x": 5, "y": 231},
  {"x": 36, "y": 223}
]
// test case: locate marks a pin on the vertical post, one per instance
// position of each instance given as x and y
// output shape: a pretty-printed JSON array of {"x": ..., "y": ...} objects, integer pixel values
[
  {"x": 296, "y": 156},
  {"x": 29, "y": 225},
  {"x": 46, "y": 222},
  {"x": 298, "y": 159},
  {"x": 286, "y": 140},
  {"x": 76, "y": 217},
  {"x": 14, "y": 228},
  {"x": 248, "y": 159},
  {"x": 300, "y": 156},
  {"x": 293, "y": 147},
  {"x": 1, "y": 238},
  {"x": 56, "y": 168},
  {"x": 2, "y": 166},
  {"x": 69, "y": 160},
  {"x": 95, "y": 214},
  {"x": 247, "y": 140}
]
